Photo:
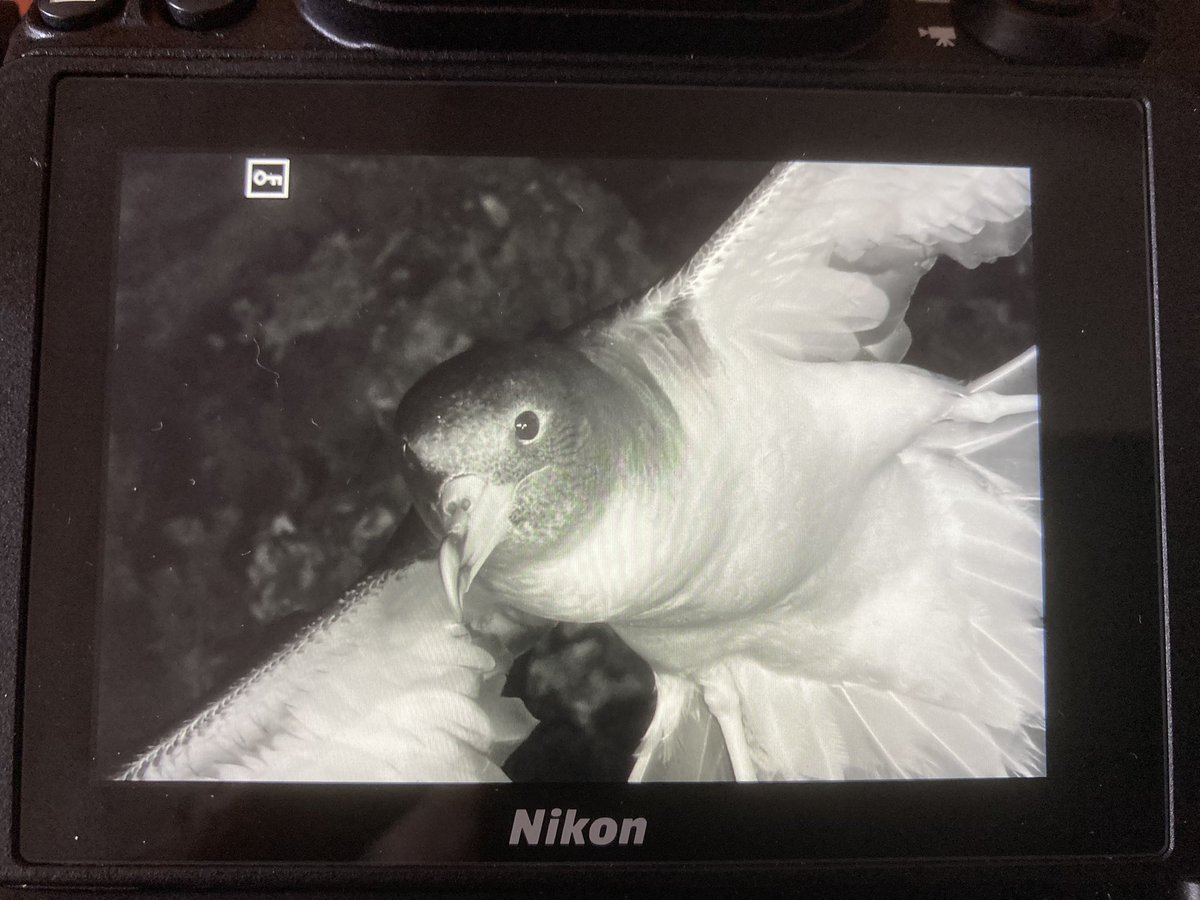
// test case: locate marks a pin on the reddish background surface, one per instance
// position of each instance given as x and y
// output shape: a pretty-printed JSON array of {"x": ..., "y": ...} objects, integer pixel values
[{"x": 23, "y": 4}]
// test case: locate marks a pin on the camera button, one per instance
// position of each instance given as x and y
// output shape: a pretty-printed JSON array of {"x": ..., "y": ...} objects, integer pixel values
[
  {"x": 1052, "y": 31},
  {"x": 69, "y": 14},
  {"x": 204, "y": 14}
]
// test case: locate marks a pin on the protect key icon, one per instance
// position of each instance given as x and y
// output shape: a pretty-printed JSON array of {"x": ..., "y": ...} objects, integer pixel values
[{"x": 268, "y": 179}]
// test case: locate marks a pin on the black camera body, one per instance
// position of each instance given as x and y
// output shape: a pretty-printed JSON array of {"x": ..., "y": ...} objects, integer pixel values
[{"x": 1099, "y": 100}]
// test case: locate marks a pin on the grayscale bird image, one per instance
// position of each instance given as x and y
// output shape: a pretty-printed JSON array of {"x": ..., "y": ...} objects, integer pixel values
[{"x": 826, "y": 560}]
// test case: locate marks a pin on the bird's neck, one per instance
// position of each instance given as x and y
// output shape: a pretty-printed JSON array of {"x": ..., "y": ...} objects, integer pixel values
[{"x": 642, "y": 436}]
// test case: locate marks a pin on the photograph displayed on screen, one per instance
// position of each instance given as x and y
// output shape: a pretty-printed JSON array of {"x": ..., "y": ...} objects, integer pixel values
[{"x": 464, "y": 469}]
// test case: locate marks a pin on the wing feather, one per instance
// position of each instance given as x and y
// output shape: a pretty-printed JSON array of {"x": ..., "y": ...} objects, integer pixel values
[
  {"x": 386, "y": 688},
  {"x": 820, "y": 261},
  {"x": 800, "y": 729}
]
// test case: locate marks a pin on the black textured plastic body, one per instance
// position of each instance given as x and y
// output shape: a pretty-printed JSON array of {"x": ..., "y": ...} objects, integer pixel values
[{"x": 282, "y": 46}]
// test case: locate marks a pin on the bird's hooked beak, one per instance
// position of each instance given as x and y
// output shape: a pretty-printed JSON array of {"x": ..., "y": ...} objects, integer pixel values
[{"x": 474, "y": 515}]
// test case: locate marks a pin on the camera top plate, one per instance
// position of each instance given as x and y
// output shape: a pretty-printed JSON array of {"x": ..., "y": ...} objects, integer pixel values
[{"x": 1104, "y": 34}]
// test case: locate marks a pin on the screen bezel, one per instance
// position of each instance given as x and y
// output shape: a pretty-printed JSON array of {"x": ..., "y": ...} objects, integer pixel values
[{"x": 1105, "y": 791}]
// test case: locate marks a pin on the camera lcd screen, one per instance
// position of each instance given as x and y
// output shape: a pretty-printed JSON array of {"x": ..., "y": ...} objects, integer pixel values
[
  {"x": 752, "y": 466},
  {"x": 256, "y": 470}
]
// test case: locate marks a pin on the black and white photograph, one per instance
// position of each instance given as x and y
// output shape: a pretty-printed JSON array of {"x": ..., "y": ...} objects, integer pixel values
[{"x": 462, "y": 469}]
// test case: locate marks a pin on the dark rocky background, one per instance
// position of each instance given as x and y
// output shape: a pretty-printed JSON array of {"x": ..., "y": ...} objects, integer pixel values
[{"x": 260, "y": 349}]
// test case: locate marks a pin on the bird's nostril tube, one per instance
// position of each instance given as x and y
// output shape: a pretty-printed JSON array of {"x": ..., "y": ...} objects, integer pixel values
[
  {"x": 453, "y": 506},
  {"x": 459, "y": 497}
]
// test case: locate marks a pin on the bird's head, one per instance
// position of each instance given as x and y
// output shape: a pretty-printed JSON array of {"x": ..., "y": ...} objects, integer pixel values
[{"x": 507, "y": 452}]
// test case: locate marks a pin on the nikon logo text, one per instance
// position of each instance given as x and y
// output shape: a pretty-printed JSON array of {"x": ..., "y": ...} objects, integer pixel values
[{"x": 573, "y": 829}]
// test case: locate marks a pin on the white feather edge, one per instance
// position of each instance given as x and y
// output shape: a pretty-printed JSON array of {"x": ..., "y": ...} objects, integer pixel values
[{"x": 386, "y": 688}]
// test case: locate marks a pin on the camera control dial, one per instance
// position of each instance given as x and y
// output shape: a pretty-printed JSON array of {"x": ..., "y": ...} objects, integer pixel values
[{"x": 1052, "y": 31}]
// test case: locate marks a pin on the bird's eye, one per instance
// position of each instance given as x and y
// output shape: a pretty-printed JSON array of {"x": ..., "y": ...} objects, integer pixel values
[{"x": 527, "y": 426}]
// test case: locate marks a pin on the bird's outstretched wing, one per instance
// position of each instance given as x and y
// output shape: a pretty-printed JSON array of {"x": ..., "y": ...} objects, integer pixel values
[
  {"x": 820, "y": 261},
  {"x": 385, "y": 688}
]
